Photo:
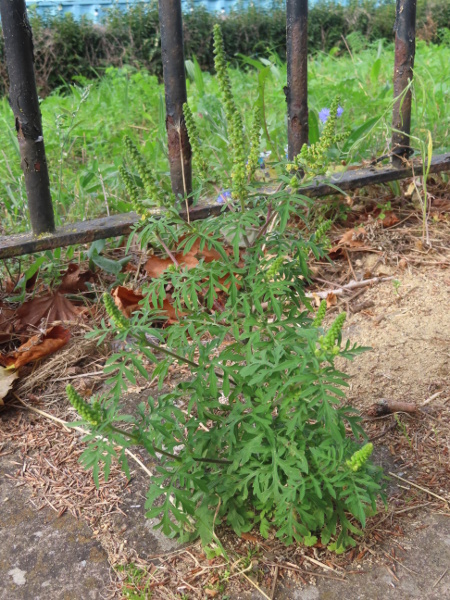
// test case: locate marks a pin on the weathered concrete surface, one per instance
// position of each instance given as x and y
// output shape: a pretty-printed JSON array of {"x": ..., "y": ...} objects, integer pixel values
[
  {"x": 43, "y": 556},
  {"x": 426, "y": 575},
  {"x": 426, "y": 561}
]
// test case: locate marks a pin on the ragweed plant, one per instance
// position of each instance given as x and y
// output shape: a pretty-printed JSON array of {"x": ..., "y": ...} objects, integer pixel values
[
  {"x": 256, "y": 434},
  {"x": 244, "y": 152},
  {"x": 198, "y": 154},
  {"x": 146, "y": 193},
  {"x": 313, "y": 160}
]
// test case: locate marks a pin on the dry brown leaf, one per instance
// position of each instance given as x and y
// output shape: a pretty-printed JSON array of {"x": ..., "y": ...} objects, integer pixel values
[
  {"x": 31, "y": 283},
  {"x": 317, "y": 300},
  {"x": 211, "y": 593},
  {"x": 50, "y": 308},
  {"x": 168, "y": 309},
  {"x": 207, "y": 254},
  {"x": 127, "y": 301},
  {"x": 331, "y": 299},
  {"x": 7, "y": 378},
  {"x": 390, "y": 219},
  {"x": 248, "y": 537},
  {"x": 156, "y": 266},
  {"x": 37, "y": 347},
  {"x": 443, "y": 204},
  {"x": 6, "y": 324},
  {"x": 74, "y": 280},
  {"x": 9, "y": 285},
  {"x": 353, "y": 238}
]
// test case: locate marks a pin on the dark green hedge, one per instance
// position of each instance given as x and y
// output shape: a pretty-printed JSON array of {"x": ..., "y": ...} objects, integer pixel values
[{"x": 65, "y": 47}]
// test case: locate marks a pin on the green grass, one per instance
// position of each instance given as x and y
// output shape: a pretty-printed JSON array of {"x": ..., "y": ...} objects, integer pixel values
[{"x": 84, "y": 130}]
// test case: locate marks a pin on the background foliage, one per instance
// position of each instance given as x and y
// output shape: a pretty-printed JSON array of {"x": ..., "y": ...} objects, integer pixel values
[
  {"x": 84, "y": 154},
  {"x": 65, "y": 48}
]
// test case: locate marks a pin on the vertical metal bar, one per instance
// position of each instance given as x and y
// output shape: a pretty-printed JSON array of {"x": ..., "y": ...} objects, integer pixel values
[
  {"x": 170, "y": 20},
  {"x": 405, "y": 48},
  {"x": 297, "y": 74},
  {"x": 25, "y": 105}
]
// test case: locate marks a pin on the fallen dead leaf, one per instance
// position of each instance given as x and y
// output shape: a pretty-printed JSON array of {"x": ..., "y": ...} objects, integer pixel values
[
  {"x": 317, "y": 300},
  {"x": 156, "y": 266},
  {"x": 74, "y": 280},
  {"x": 7, "y": 378},
  {"x": 331, "y": 299},
  {"x": 353, "y": 238},
  {"x": 403, "y": 263},
  {"x": 50, "y": 308},
  {"x": 443, "y": 204},
  {"x": 6, "y": 324},
  {"x": 248, "y": 537},
  {"x": 37, "y": 347},
  {"x": 207, "y": 254},
  {"x": 31, "y": 283},
  {"x": 390, "y": 219},
  {"x": 127, "y": 301}
]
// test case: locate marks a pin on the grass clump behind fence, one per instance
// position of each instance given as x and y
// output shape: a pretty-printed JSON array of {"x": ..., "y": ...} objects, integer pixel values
[{"x": 65, "y": 48}]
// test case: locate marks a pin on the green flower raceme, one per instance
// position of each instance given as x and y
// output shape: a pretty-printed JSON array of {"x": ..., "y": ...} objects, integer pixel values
[
  {"x": 328, "y": 341},
  {"x": 194, "y": 138},
  {"x": 117, "y": 318},
  {"x": 322, "y": 230},
  {"x": 320, "y": 315},
  {"x": 131, "y": 188},
  {"x": 274, "y": 268},
  {"x": 234, "y": 122},
  {"x": 313, "y": 160},
  {"x": 92, "y": 413},
  {"x": 223, "y": 78},
  {"x": 149, "y": 180},
  {"x": 360, "y": 457}
]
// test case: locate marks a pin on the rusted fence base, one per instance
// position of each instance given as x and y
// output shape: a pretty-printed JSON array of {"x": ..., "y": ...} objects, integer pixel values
[{"x": 108, "y": 227}]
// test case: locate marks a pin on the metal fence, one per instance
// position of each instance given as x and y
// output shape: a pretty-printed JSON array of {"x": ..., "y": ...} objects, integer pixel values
[{"x": 24, "y": 102}]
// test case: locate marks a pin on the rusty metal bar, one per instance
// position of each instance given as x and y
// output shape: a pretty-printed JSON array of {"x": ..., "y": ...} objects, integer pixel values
[
  {"x": 297, "y": 74},
  {"x": 170, "y": 20},
  {"x": 24, "y": 102},
  {"x": 405, "y": 48},
  {"x": 88, "y": 231}
]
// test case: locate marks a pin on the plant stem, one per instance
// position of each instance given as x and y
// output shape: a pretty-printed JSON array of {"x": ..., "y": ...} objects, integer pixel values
[
  {"x": 168, "y": 252},
  {"x": 136, "y": 440},
  {"x": 189, "y": 362}
]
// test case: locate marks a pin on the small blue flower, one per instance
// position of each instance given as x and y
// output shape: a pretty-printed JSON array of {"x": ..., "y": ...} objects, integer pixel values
[
  {"x": 325, "y": 113},
  {"x": 223, "y": 196}
]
